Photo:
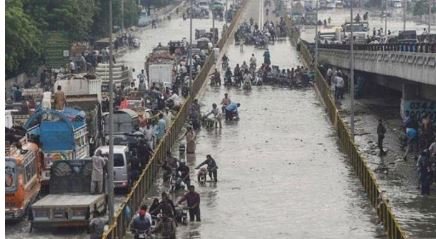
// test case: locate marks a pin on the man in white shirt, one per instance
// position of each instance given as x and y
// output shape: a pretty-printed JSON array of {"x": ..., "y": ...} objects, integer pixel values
[
  {"x": 72, "y": 67},
  {"x": 339, "y": 83},
  {"x": 432, "y": 150}
]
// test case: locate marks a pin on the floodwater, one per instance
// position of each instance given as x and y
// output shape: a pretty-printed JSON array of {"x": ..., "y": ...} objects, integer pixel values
[
  {"x": 281, "y": 174},
  {"x": 167, "y": 30}
]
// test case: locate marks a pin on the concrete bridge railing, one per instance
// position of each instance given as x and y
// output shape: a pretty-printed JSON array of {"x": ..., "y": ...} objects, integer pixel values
[{"x": 413, "y": 66}]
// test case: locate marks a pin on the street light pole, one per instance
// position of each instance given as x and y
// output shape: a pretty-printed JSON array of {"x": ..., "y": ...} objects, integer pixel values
[
  {"x": 316, "y": 36},
  {"x": 190, "y": 46},
  {"x": 404, "y": 14},
  {"x": 352, "y": 74},
  {"x": 429, "y": 14},
  {"x": 386, "y": 17},
  {"x": 110, "y": 163},
  {"x": 122, "y": 16}
]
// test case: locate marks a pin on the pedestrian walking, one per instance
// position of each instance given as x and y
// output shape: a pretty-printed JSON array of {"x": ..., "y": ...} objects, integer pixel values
[
  {"x": 192, "y": 198},
  {"x": 97, "y": 175},
  {"x": 190, "y": 140},
  {"x": 412, "y": 137},
  {"x": 426, "y": 180},
  {"x": 381, "y": 131},
  {"x": 96, "y": 225},
  {"x": 160, "y": 128}
]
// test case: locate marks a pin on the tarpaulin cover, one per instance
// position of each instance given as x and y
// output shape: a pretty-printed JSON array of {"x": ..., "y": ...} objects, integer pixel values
[
  {"x": 56, "y": 136},
  {"x": 70, "y": 176}
]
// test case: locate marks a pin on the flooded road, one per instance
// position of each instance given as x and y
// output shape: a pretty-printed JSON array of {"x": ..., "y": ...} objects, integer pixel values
[
  {"x": 281, "y": 174},
  {"x": 167, "y": 30}
]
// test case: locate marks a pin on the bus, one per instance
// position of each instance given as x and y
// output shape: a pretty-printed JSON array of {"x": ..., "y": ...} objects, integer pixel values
[{"x": 22, "y": 176}]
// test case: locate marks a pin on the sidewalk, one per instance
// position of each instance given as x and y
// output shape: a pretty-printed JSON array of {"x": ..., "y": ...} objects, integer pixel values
[{"x": 416, "y": 214}]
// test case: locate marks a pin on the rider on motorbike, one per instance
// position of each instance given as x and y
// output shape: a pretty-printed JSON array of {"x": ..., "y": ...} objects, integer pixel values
[
  {"x": 244, "y": 66},
  {"x": 228, "y": 76},
  {"x": 166, "y": 227},
  {"x": 166, "y": 206},
  {"x": 225, "y": 60},
  {"x": 267, "y": 57},
  {"x": 247, "y": 79},
  {"x": 211, "y": 167},
  {"x": 217, "y": 115},
  {"x": 184, "y": 173},
  {"x": 216, "y": 77},
  {"x": 141, "y": 225},
  {"x": 232, "y": 110}
]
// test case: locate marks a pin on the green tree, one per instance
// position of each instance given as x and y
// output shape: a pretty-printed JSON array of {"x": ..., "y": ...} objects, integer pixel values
[
  {"x": 421, "y": 8},
  {"x": 23, "y": 46}
]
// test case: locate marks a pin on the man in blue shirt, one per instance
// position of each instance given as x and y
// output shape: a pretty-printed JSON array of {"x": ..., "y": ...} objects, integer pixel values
[
  {"x": 160, "y": 128},
  {"x": 232, "y": 109}
]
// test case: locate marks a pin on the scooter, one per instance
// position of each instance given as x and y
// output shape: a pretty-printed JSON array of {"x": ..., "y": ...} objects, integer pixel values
[{"x": 201, "y": 176}]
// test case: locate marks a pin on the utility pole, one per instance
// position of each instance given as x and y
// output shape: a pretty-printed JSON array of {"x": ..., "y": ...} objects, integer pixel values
[
  {"x": 386, "y": 17},
  {"x": 225, "y": 14},
  {"x": 429, "y": 14},
  {"x": 122, "y": 16},
  {"x": 404, "y": 14},
  {"x": 352, "y": 75},
  {"x": 110, "y": 164},
  {"x": 316, "y": 35},
  {"x": 190, "y": 46}
]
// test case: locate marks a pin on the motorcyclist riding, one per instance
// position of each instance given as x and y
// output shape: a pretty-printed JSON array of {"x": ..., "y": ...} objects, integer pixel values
[
  {"x": 211, "y": 167},
  {"x": 225, "y": 102},
  {"x": 232, "y": 110},
  {"x": 217, "y": 115},
  {"x": 225, "y": 61},
  {"x": 166, "y": 206},
  {"x": 267, "y": 57},
  {"x": 216, "y": 77},
  {"x": 237, "y": 75},
  {"x": 184, "y": 173},
  {"x": 247, "y": 80},
  {"x": 228, "y": 76},
  {"x": 244, "y": 66},
  {"x": 166, "y": 227},
  {"x": 141, "y": 225}
]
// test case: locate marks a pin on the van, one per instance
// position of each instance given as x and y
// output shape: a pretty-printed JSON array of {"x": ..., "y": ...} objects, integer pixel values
[{"x": 121, "y": 165}]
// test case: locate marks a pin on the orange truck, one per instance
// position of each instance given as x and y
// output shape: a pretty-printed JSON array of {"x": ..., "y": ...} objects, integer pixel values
[{"x": 22, "y": 178}]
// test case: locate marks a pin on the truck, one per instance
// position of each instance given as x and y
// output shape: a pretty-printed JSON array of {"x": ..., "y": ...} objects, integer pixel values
[
  {"x": 22, "y": 174},
  {"x": 81, "y": 84},
  {"x": 159, "y": 67},
  {"x": 70, "y": 202},
  {"x": 62, "y": 135}
]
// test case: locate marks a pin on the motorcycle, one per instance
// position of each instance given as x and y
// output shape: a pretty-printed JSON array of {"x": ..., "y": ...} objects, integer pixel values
[
  {"x": 247, "y": 85},
  {"x": 208, "y": 123},
  {"x": 215, "y": 81},
  {"x": 224, "y": 65},
  {"x": 181, "y": 215},
  {"x": 176, "y": 183},
  {"x": 141, "y": 234},
  {"x": 201, "y": 176}
]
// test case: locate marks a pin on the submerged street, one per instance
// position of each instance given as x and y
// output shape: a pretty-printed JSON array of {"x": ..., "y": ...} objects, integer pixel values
[
  {"x": 281, "y": 174},
  {"x": 281, "y": 171}
]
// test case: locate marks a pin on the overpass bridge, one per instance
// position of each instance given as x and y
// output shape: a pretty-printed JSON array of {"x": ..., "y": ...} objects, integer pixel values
[{"x": 412, "y": 62}]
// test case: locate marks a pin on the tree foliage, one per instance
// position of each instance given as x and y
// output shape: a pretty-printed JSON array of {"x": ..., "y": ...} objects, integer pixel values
[
  {"x": 421, "y": 8},
  {"x": 28, "y": 20},
  {"x": 22, "y": 38}
]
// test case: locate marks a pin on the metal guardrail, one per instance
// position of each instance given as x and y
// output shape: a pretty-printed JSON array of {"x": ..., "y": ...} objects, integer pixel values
[
  {"x": 359, "y": 163},
  {"x": 406, "y": 47},
  {"x": 118, "y": 228}
]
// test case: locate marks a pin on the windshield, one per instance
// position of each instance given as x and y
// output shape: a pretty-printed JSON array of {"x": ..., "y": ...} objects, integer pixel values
[
  {"x": 10, "y": 176},
  {"x": 118, "y": 160}
]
